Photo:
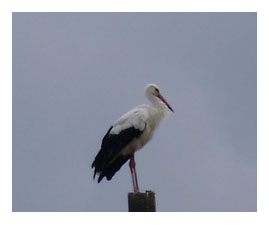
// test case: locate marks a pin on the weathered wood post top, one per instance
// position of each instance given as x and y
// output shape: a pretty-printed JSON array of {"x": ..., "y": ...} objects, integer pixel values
[{"x": 142, "y": 202}]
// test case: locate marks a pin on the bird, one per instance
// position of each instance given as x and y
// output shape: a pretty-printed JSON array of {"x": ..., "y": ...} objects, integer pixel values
[{"x": 128, "y": 134}]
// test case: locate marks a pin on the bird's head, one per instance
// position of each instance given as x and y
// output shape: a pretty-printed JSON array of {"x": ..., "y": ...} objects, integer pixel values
[{"x": 153, "y": 91}]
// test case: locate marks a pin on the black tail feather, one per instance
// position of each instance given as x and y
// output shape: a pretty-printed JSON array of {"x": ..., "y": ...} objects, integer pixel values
[
  {"x": 110, "y": 158},
  {"x": 110, "y": 170}
]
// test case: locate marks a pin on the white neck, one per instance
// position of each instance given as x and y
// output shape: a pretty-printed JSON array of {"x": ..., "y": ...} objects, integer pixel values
[{"x": 158, "y": 105}]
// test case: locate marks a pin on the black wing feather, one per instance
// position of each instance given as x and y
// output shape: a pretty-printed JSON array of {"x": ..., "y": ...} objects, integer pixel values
[{"x": 109, "y": 160}]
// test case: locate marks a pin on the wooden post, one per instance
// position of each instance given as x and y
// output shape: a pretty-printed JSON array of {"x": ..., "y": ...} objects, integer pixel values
[{"x": 142, "y": 202}]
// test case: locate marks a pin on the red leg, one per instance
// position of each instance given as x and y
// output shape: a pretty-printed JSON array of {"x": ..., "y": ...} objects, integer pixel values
[
  {"x": 135, "y": 175},
  {"x": 133, "y": 172}
]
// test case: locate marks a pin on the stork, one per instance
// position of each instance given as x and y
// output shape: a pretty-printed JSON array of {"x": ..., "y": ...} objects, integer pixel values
[{"x": 128, "y": 134}]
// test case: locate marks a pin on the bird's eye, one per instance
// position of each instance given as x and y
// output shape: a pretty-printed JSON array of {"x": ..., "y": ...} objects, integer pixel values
[{"x": 156, "y": 89}]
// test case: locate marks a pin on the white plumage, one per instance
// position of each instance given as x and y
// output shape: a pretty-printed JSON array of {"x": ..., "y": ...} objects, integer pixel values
[{"x": 130, "y": 133}]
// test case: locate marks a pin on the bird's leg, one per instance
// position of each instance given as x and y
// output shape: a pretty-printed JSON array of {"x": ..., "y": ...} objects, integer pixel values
[
  {"x": 137, "y": 188},
  {"x": 133, "y": 172}
]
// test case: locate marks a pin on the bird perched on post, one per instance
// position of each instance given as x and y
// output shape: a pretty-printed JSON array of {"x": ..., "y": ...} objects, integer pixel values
[{"x": 128, "y": 134}]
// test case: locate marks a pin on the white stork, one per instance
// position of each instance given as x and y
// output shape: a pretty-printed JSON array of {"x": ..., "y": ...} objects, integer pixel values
[{"x": 129, "y": 134}]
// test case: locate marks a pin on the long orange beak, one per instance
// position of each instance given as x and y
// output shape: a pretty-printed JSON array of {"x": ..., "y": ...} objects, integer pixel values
[{"x": 165, "y": 102}]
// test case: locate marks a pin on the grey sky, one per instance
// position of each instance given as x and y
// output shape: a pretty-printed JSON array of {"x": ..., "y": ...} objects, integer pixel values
[{"x": 75, "y": 73}]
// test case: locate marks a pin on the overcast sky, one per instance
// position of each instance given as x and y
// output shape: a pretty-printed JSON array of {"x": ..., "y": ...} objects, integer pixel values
[{"x": 76, "y": 73}]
